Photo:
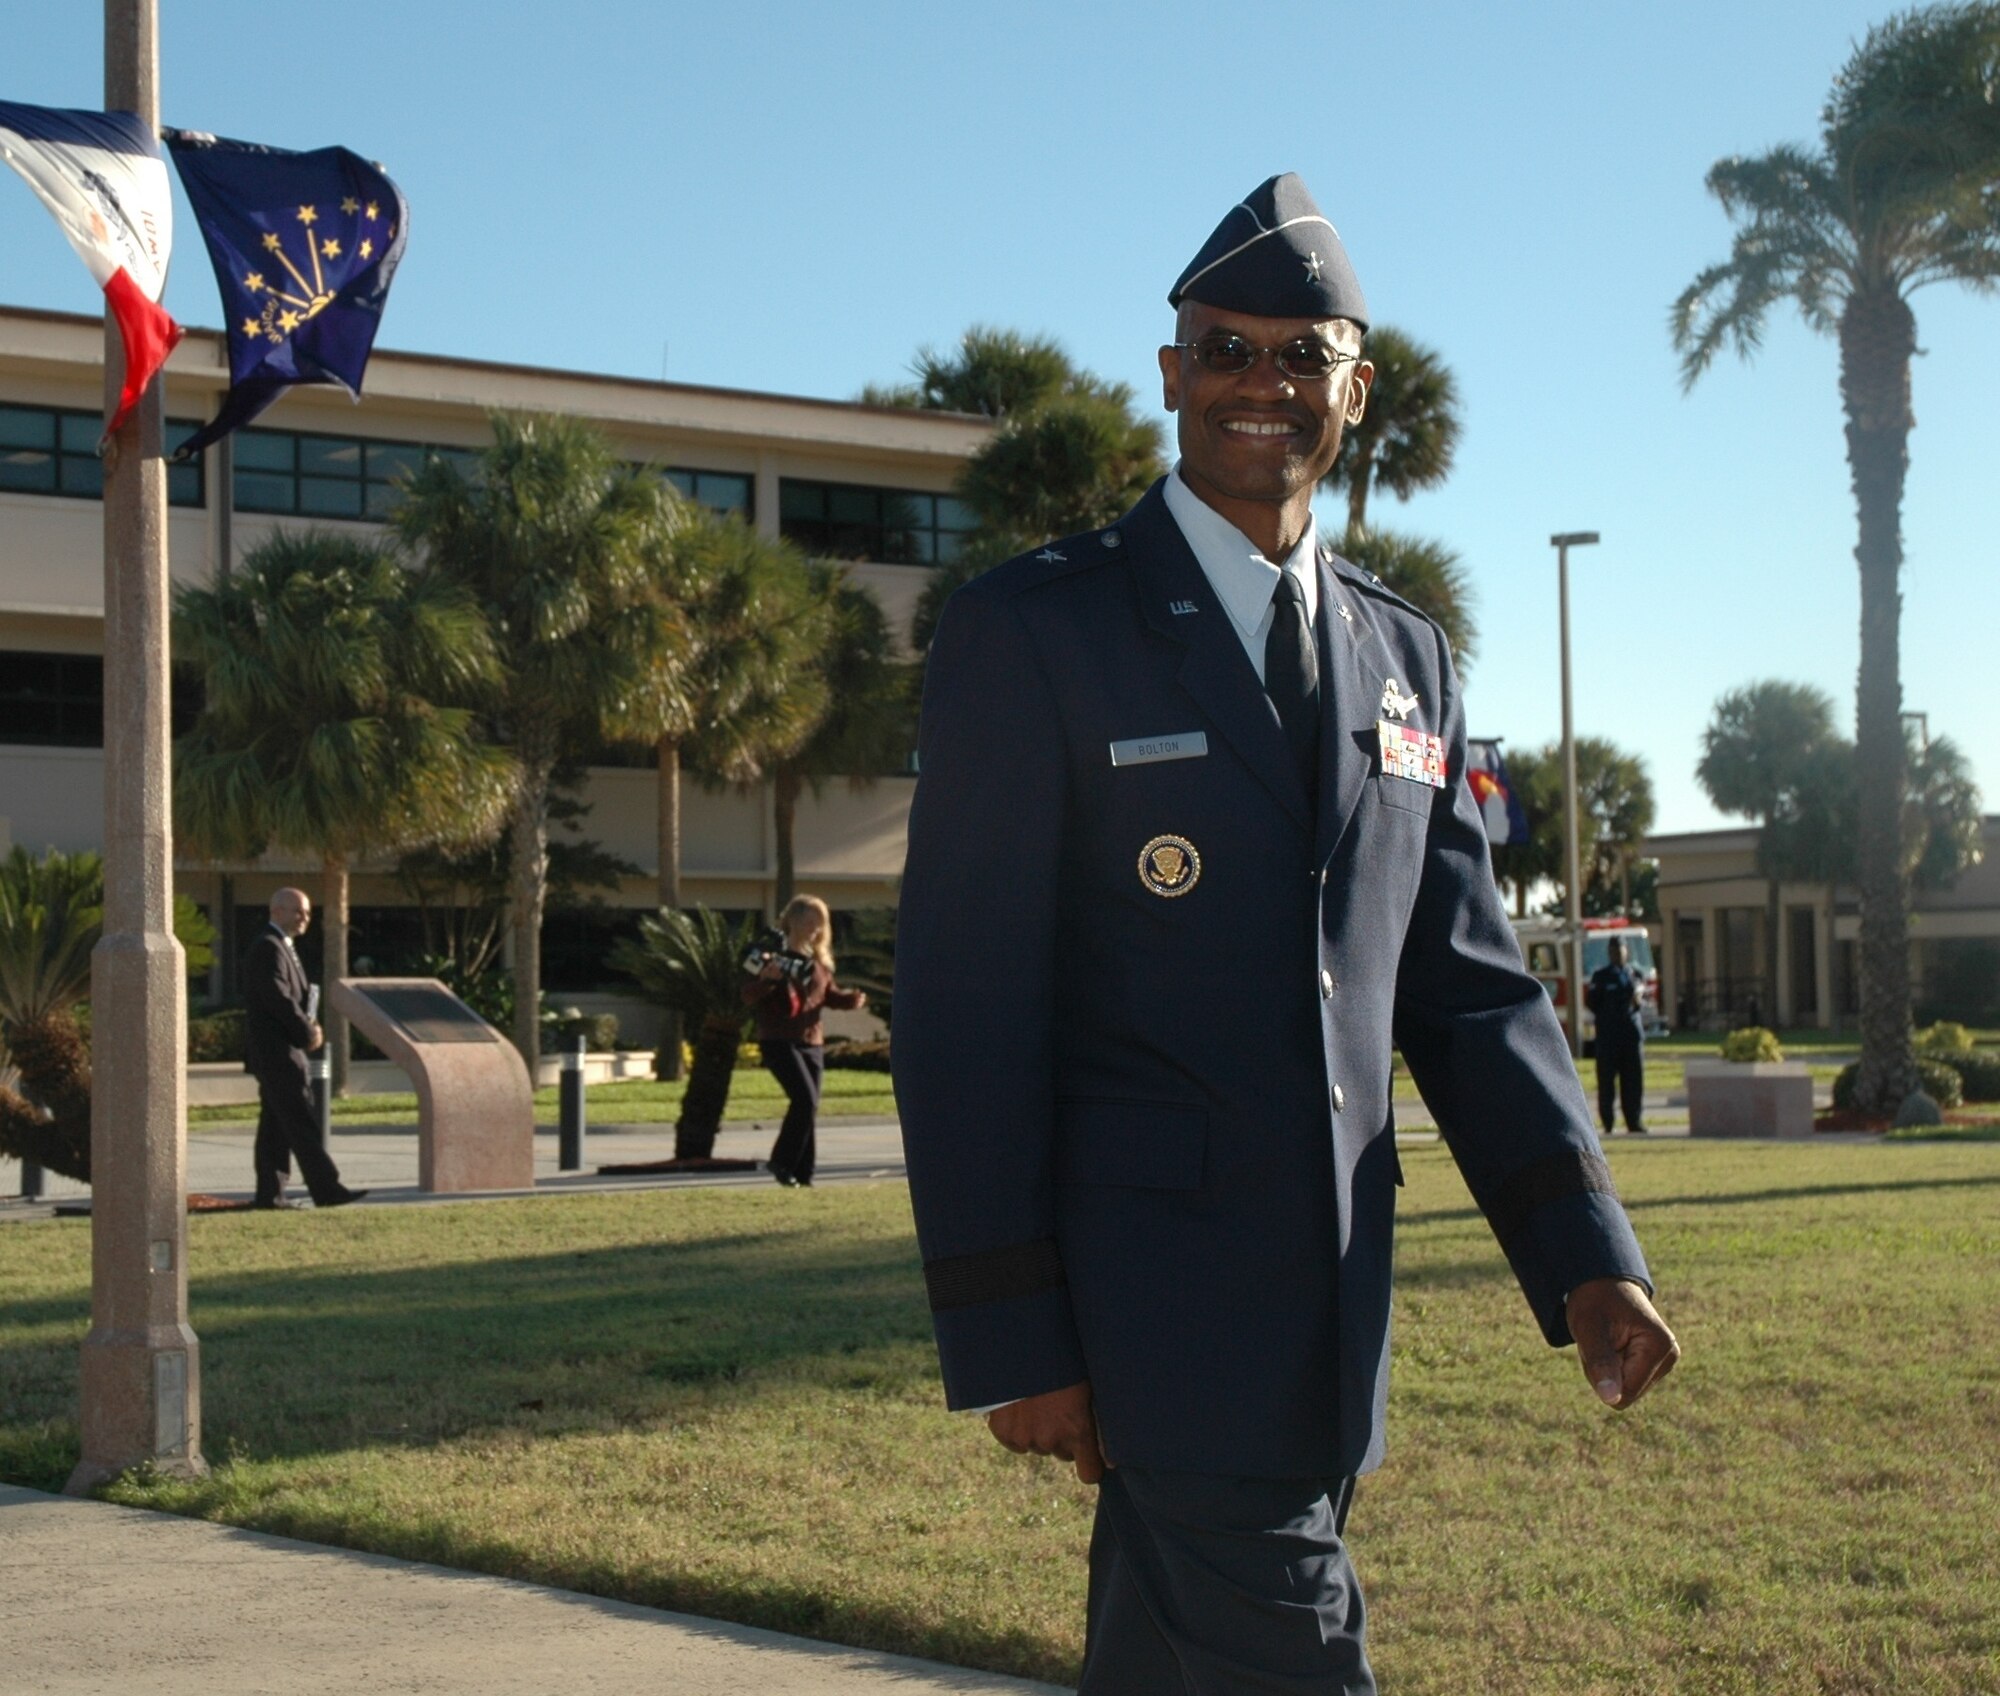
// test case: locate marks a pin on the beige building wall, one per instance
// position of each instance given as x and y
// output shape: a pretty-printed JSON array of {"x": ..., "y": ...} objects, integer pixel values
[
  {"x": 1706, "y": 876},
  {"x": 850, "y": 842}
]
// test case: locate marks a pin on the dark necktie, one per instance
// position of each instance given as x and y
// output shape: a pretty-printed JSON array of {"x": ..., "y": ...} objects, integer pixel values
[{"x": 1291, "y": 676}]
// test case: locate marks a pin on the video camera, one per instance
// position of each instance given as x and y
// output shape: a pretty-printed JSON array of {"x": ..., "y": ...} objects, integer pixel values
[{"x": 771, "y": 946}]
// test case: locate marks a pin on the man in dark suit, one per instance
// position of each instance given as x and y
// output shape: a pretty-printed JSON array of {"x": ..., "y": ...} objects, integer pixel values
[
  {"x": 1193, "y": 793},
  {"x": 1613, "y": 997},
  {"x": 278, "y": 1033}
]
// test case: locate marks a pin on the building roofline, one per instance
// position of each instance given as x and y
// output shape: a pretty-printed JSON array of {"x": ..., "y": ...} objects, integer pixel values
[{"x": 969, "y": 424}]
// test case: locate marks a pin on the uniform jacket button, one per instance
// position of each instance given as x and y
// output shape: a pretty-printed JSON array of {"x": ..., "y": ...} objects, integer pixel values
[
  {"x": 1339, "y": 1099},
  {"x": 1326, "y": 986}
]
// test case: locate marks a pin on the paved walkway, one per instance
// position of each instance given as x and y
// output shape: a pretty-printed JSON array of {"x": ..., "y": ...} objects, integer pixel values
[
  {"x": 383, "y": 1158},
  {"x": 106, "y": 1601}
]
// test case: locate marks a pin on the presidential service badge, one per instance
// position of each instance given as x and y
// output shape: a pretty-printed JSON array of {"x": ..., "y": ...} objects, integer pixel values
[
  {"x": 1408, "y": 752},
  {"x": 1169, "y": 866}
]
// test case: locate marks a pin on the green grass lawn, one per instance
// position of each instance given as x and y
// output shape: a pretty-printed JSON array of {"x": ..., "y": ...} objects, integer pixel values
[
  {"x": 754, "y": 1094},
  {"x": 724, "y": 1401}
]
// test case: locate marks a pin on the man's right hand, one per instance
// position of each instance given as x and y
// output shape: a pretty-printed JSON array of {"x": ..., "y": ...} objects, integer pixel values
[
  {"x": 318, "y": 1042},
  {"x": 1059, "y": 1423}
]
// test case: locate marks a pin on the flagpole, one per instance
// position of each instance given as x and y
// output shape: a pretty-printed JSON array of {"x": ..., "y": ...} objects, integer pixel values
[{"x": 140, "y": 1364}]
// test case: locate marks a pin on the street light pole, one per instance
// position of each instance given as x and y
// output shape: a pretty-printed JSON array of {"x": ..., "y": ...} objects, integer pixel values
[
  {"x": 1572, "y": 836},
  {"x": 140, "y": 1365}
]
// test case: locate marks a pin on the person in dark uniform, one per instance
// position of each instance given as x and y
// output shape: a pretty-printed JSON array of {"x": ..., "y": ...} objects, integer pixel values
[
  {"x": 1614, "y": 1001},
  {"x": 1193, "y": 790},
  {"x": 790, "y": 992},
  {"x": 278, "y": 1034}
]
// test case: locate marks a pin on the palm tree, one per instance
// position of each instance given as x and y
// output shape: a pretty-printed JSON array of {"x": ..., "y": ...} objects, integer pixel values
[
  {"x": 51, "y": 915},
  {"x": 1428, "y": 575},
  {"x": 1409, "y": 432},
  {"x": 336, "y": 718},
  {"x": 991, "y": 373},
  {"x": 1614, "y": 813},
  {"x": 690, "y": 962},
  {"x": 1757, "y": 751},
  {"x": 868, "y": 726},
  {"x": 1071, "y": 453},
  {"x": 748, "y": 636},
  {"x": 1900, "y": 193},
  {"x": 558, "y": 543},
  {"x": 1071, "y": 462}
]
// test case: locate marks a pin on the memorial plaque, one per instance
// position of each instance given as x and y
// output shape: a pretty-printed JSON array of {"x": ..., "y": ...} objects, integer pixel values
[
  {"x": 428, "y": 1015},
  {"x": 475, "y": 1104}
]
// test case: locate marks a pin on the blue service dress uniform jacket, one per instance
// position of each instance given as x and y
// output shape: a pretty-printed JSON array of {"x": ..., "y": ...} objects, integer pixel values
[{"x": 1166, "y": 1163}]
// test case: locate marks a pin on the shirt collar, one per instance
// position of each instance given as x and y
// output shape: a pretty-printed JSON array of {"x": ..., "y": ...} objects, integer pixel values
[{"x": 1242, "y": 578}]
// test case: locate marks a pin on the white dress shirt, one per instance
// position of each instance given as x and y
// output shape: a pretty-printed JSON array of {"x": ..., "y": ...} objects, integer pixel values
[{"x": 1243, "y": 579}]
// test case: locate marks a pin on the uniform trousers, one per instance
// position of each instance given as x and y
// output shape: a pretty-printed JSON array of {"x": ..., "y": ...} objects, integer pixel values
[
  {"x": 798, "y": 1067},
  {"x": 288, "y": 1130},
  {"x": 1621, "y": 1066},
  {"x": 1215, "y": 1586}
]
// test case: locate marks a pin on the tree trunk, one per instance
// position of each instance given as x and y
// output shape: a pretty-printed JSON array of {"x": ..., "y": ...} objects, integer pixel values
[
  {"x": 1877, "y": 339},
  {"x": 670, "y": 821},
  {"x": 1359, "y": 477},
  {"x": 530, "y": 875},
  {"x": 715, "y": 1050},
  {"x": 333, "y": 964},
  {"x": 667, "y": 1057},
  {"x": 786, "y": 786}
]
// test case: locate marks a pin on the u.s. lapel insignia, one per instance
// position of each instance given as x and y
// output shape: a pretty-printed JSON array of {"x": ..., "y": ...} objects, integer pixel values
[
  {"x": 1169, "y": 866},
  {"x": 1395, "y": 701}
]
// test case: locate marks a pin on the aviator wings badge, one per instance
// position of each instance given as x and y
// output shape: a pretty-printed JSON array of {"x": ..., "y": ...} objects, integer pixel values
[{"x": 1395, "y": 701}]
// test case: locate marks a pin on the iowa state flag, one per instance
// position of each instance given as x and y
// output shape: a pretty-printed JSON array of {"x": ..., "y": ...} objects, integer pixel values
[
  {"x": 1500, "y": 808},
  {"x": 305, "y": 246},
  {"x": 102, "y": 175}
]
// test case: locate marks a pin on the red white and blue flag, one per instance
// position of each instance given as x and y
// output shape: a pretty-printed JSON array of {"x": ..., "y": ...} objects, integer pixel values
[
  {"x": 104, "y": 178},
  {"x": 1499, "y": 807}
]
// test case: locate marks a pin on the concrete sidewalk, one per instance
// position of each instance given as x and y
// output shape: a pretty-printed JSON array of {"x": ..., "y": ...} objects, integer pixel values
[{"x": 105, "y": 1601}]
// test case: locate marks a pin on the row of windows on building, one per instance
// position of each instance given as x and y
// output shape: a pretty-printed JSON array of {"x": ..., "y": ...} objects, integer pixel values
[{"x": 53, "y": 451}]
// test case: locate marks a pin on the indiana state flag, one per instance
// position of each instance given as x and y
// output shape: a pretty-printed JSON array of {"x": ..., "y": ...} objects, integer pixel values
[
  {"x": 1499, "y": 807},
  {"x": 304, "y": 246}
]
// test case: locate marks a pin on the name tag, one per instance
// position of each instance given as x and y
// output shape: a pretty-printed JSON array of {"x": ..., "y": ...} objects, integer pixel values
[
  {"x": 1410, "y": 753},
  {"x": 1145, "y": 750}
]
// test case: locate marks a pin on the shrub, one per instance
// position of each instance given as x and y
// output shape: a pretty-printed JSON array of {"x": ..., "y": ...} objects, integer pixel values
[
  {"x": 1937, "y": 1080},
  {"x": 216, "y": 1036},
  {"x": 1941, "y": 1083},
  {"x": 1942, "y": 1041},
  {"x": 600, "y": 1030},
  {"x": 1979, "y": 1072},
  {"x": 1753, "y": 1042},
  {"x": 858, "y": 1056}
]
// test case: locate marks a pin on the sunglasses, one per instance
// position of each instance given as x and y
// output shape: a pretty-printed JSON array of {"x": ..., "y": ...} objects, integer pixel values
[{"x": 1307, "y": 358}]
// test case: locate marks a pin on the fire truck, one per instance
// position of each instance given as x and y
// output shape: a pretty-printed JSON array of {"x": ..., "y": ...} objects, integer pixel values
[{"x": 1545, "y": 950}]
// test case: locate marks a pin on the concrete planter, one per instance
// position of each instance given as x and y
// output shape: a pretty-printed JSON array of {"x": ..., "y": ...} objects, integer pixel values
[{"x": 1761, "y": 1098}]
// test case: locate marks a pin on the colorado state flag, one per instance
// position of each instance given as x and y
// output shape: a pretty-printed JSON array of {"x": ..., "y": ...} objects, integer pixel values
[
  {"x": 304, "y": 246},
  {"x": 1499, "y": 807}
]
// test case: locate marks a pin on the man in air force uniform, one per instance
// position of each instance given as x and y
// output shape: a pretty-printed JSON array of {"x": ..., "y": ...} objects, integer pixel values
[{"x": 1193, "y": 794}]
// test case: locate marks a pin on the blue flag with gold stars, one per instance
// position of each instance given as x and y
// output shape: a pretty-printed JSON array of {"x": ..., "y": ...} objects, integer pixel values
[{"x": 305, "y": 246}]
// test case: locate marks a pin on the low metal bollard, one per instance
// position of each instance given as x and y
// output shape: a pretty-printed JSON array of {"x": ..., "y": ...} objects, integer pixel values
[
  {"x": 569, "y": 1127},
  {"x": 319, "y": 1068}
]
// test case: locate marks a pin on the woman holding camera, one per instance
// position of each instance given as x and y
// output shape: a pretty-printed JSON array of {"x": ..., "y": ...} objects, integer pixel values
[{"x": 789, "y": 992}]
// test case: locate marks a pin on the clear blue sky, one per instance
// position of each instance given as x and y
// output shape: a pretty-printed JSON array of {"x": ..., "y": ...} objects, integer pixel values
[{"x": 793, "y": 197}]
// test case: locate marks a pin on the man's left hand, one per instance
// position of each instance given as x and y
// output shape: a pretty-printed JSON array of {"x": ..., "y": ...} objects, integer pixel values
[{"x": 1622, "y": 1343}]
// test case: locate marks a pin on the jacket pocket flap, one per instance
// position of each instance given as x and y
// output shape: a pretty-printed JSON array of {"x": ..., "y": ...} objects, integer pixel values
[{"x": 1155, "y": 1145}]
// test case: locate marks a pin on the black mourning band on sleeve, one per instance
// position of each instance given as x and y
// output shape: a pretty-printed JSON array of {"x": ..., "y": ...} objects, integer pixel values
[
  {"x": 1558, "y": 1176},
  {"x": 998, "y": 1274}
]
